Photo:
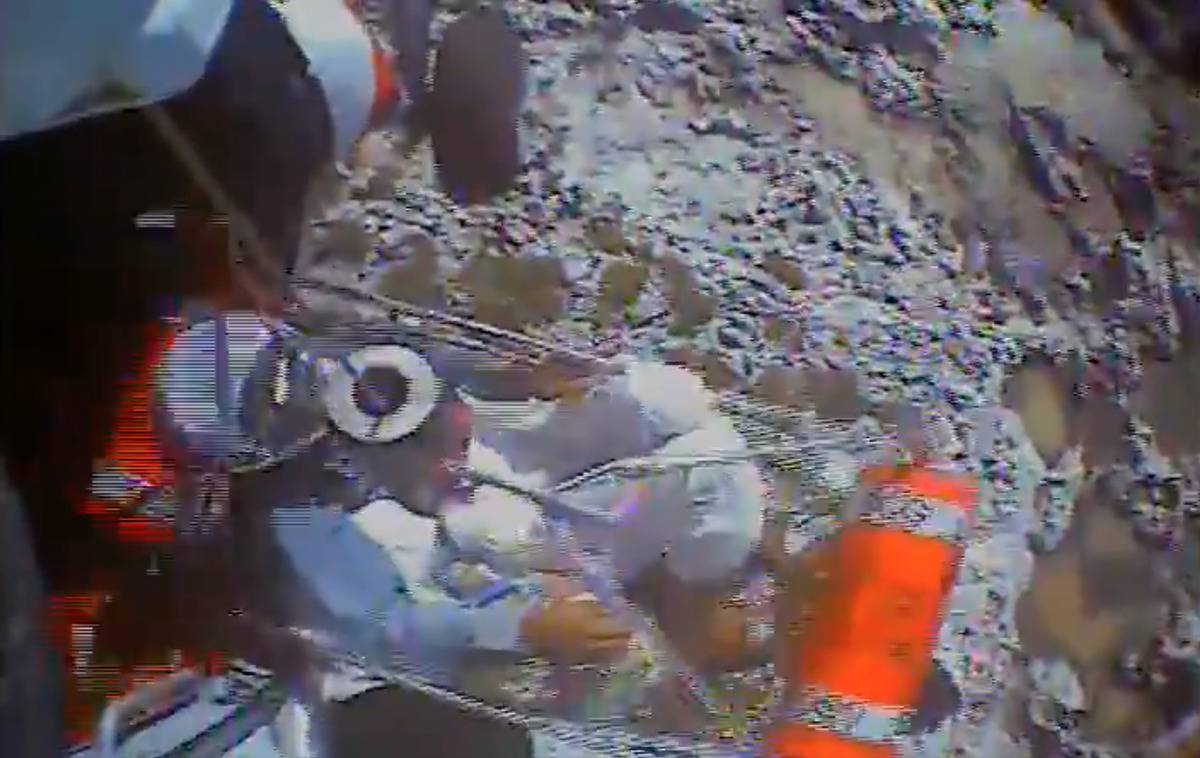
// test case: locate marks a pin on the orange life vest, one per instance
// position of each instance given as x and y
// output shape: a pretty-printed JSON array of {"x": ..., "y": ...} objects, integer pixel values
[{"x": 135, "y": 465}]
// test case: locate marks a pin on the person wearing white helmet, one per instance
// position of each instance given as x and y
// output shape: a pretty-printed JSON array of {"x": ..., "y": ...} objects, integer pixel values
[
  {"x": 481, "y": 572},
  {"x": 438, "y": 567}
]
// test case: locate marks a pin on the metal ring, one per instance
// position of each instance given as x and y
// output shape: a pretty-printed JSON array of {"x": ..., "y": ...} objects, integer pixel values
[
  {"x": 424, "y": 390},
  {"x": 201, "y": 383}
]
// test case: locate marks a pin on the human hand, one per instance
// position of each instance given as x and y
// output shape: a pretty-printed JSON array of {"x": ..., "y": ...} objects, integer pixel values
[
  {"x": 728, "y": 644},
  {"x": 572, "y": 627}
]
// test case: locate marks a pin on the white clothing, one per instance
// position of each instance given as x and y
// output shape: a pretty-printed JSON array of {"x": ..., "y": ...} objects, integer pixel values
[
  {"x": 706, "y": 520},
  {"x": 65, "y": 60},
  {"x": 59, "y": 57}
]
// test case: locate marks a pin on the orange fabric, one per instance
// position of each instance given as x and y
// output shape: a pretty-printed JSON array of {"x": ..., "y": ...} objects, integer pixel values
[
  {"x": 941, "y": 486},
  {"x": 144, "y": 529},
  {"x": 952, "y": 489},
  {"x": 387, "y": 92},
  {"x": 798, "y": 741},
  {"x": 129, "y": 527},
  {"x": 133, "y": 446}
]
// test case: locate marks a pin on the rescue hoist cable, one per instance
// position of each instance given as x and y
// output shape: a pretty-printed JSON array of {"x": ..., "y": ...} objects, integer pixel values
[{"x": 243, "y": 232}]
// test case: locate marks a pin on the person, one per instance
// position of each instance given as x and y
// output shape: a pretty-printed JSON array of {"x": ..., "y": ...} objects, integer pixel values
[
  {"x": 418, "y": 556},
  {"x": 256, "y": 95},
  {"x": 682, "y": 537},
  {"x": 153, "y": 155},
  {"x": 339, "y": 555},
  {"x": 476, "y": 575},
  {"x": 384, "y": 567}
]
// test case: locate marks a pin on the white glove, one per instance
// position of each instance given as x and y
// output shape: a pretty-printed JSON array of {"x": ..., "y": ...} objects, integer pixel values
[
  {"x": 727, "y": 506},
  {"x": 674, "y": 398},
  {"x": 500, "y": 527}
]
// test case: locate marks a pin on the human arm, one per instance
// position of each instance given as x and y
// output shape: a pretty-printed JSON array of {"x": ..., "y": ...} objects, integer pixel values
[
  {"x": 725, "y": 502},
  {"x": 546, "y": 618},
  {"x": 358, "y": 574}
]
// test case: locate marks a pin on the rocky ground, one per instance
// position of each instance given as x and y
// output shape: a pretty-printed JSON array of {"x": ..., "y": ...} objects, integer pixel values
[{"x": 857, "y": 207}]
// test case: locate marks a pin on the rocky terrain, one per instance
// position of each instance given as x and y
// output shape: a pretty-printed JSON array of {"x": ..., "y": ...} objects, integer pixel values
[{"x": 984, "y": 210}]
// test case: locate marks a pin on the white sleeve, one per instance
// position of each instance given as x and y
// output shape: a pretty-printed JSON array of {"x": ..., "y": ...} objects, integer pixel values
[
  {"x": 727, "y": 506},
  {"x": 355, "y": 568},
  {"x": 673, "y": 399},
  {"x": 339, "y": 55},
  {"x": 449, "y": 626},
  {"x": 62, "y": 60},
  {"x": 705, "y": 520}
]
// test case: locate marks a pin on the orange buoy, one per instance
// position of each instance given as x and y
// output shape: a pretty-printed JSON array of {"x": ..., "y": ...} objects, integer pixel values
[{"x": 861, "y": 660}]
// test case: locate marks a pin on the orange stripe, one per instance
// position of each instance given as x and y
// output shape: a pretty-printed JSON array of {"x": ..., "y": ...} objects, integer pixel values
[
  {"x": 146, "y": 530},
  {"x": 940, "y": 486},
  {"x": 133, "y": 445},
  {"x": 799, "y": 741},
  {"x": 129, "y": 527},
  {"x": 387, "y": 92},
  {"x": 873, "y": 630}
]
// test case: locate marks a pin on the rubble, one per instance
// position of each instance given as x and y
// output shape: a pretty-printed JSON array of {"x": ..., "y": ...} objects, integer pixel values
[{"x": 741, "y": 241}]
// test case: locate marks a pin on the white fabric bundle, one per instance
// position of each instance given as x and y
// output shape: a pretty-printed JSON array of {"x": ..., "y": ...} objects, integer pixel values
[{"x": 706, "y": 520}]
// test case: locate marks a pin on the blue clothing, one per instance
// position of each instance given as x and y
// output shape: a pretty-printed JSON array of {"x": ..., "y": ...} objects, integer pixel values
[{"x": 360, "y": 581}]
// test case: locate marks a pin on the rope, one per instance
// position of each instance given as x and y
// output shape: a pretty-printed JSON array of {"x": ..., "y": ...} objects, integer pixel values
[
  {"x": 600, "y": 739},
  {"x": 242, "y": 228},
  {"x": 457, "y": 322}
]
